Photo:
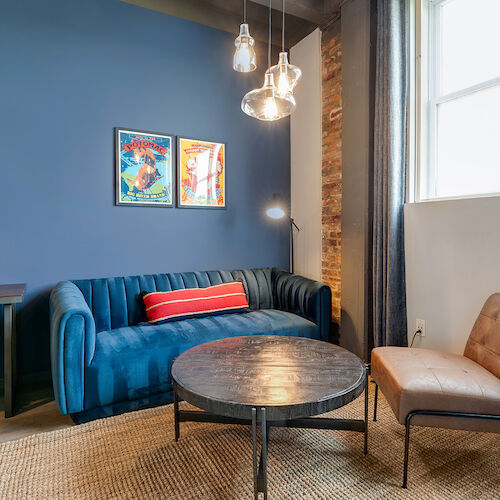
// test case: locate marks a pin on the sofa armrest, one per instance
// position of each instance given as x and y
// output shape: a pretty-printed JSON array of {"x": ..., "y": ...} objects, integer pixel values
[
  {"x": 72, "y": 344},
  {"x": 305, "y": 297}
]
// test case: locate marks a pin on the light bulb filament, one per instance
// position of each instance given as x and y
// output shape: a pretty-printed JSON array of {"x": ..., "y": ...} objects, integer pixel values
[
  {"x": 283, "y": 84},
  {"x": 242, "y": 58},
  {"x": 270, "y": 108}
]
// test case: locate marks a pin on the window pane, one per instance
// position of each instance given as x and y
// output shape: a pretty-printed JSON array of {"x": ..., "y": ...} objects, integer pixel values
[
  {"x": 468, "y": 145},
  {"x": 470, "y": 37}
]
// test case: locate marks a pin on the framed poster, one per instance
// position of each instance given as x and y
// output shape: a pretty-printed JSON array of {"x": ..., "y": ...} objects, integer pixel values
[
  {"x": 201, "y": 174},
  {"x": 144, "y": 168}
]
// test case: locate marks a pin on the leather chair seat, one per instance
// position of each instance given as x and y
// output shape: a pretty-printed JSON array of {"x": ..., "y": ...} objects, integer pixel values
[{"x": 423, "y": 379}]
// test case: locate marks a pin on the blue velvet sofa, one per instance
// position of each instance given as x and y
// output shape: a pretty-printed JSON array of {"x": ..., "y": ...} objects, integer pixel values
[{"x": 105, "y": 362}]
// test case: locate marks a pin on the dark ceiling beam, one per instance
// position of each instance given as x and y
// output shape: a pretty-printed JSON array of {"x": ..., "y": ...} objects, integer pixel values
[
  {"x": 211, "y": 13},
  {"x": 318, "y": 12},
  {"x": 227, "y": 15},
  {"x": 309, "y": 10}
]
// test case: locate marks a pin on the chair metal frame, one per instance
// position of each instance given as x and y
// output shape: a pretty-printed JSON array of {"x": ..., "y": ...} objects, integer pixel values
[{"x": 430, "y": 413}]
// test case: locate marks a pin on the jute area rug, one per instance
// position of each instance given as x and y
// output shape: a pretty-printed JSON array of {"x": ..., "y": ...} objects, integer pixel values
[{"x": 135, "y": 456}]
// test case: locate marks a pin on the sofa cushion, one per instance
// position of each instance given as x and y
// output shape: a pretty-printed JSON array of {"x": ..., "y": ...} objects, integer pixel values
[
  {"x": 226, "y": 298},
  {"x": 135, "y": 362},
  {"x": 424, "y": 379}
]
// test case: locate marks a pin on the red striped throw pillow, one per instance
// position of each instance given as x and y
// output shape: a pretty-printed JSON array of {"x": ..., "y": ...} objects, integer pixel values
[{"x": 195, "y": 302}]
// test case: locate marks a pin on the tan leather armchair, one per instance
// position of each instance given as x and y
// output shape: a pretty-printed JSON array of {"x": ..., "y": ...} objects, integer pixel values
[{"x": 436, "y": 389}]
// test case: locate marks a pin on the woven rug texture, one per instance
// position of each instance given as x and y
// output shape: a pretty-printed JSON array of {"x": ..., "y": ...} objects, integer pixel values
[{"x": 134, "y": 456}]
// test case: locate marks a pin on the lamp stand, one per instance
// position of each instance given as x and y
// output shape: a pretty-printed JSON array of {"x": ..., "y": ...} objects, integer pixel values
[{"x": 292, "y": 225}]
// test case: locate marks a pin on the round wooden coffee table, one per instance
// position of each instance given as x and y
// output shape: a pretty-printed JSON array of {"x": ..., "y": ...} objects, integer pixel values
[{"x": 269, "y": 380}]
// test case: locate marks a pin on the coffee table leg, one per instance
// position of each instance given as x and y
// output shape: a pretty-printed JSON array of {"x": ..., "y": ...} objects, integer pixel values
[
  {"x": 176, "y": 415},
  {"x": 366, "y": 410},
  {"x": 254, "y": 438},
  {"x": 260, "y": 470},
  {"x": 264, "y": 452}
]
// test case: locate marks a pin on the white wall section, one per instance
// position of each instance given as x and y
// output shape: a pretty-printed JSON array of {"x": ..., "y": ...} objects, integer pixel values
[
  {"x": 452, "y": 267},
  {"x": 305, "y": 145}
]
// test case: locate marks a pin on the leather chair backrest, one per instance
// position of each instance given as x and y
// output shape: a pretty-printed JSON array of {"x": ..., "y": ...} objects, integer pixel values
[
  {"x": 483, "y": 345},
  {"x": 117, "y": 302}
]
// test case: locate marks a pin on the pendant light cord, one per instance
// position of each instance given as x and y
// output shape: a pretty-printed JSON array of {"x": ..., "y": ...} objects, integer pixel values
[
  {"x": 244, "y": 11},
  {"x": 269, "y": 44},
  {"x": 283, "y": 27}
]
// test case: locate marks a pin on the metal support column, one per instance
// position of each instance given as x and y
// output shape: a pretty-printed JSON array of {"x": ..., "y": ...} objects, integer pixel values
[{"x": 176, "y": 415}]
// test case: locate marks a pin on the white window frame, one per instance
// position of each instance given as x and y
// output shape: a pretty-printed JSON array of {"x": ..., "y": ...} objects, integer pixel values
[{"x": 425, "y": 99}]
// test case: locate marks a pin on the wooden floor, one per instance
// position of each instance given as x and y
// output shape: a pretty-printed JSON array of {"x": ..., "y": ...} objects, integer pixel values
[{"x": 36, "y": 412}]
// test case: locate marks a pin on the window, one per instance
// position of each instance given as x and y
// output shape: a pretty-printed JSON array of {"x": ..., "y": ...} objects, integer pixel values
[{"x": 457, "y": 98}]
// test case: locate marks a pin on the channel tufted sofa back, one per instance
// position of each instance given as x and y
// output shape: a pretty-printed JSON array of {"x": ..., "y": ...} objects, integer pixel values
[{"x": 116, "y": 302}]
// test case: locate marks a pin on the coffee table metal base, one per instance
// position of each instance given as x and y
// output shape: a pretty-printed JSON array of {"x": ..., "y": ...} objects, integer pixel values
[{"x": 259, "y": 417}]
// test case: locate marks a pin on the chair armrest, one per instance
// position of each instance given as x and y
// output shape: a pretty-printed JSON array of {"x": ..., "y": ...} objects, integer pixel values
[
  {"x": 305, "y": 297},
  {"x": 72, "y": 344}
]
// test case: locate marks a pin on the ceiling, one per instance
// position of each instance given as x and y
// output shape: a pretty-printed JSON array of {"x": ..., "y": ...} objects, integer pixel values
[{"x": 302, "y": 16}]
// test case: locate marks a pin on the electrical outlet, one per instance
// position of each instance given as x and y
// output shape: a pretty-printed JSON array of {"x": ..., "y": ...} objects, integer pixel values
[{"x": 420, "y": 325}]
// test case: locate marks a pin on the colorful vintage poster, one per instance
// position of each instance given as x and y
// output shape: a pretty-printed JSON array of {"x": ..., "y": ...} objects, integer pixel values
[
  {"x": 144, "y": 168},
  {"x": 201, "y": 174}
]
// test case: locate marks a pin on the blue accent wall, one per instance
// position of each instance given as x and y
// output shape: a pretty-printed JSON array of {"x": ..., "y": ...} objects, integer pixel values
[{"x": 72, "y": 70}]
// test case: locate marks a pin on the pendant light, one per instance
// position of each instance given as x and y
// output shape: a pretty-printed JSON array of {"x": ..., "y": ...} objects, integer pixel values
[
  {"x": 285, "y": 75},
  {"x": 265, "y": 103},
  {"x": 244, "y": 55}
]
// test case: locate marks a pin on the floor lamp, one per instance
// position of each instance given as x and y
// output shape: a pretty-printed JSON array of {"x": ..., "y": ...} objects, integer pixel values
[{"x": 277, "y": 212}]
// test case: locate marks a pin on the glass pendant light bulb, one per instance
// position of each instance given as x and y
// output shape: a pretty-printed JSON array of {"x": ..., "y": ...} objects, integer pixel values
[
  {"x": 265, "y": 103},
  {"x": 286, "y": 75},
  {"x": 244, "y": 55}
]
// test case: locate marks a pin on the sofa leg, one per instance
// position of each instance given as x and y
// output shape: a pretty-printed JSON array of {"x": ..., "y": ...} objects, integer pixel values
[
  {"x": 407, "y": 449},
  {"x": 375, "y": 403}
]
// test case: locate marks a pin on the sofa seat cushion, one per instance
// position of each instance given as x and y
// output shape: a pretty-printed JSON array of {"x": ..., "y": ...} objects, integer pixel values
[
  {"x": 424, "y": 379},
  {"x": 135, "y": 361}
]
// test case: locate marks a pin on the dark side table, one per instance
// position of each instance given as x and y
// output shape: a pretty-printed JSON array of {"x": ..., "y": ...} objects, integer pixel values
[{"x": 10, "y": 295}]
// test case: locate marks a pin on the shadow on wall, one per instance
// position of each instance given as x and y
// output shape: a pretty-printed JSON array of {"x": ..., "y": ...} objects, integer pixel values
[
  {"x": 348, "y": 339},
  {"x": 34, "y": 315},
  {"x": 334, "y": 332}
]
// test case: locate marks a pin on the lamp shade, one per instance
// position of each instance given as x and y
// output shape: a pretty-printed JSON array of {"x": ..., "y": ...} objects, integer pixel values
[
  {"x": 285, "y": 75},
  {"x": 265, "y": 103},
  {"x": 244, "y": 55}
]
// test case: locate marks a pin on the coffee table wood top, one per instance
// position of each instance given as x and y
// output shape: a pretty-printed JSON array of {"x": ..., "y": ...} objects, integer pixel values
[{"x": 292, "y": 377}]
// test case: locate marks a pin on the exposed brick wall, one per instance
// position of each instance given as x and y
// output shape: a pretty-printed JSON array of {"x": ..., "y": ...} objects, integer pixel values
[{"x": 331, "y": 52}]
